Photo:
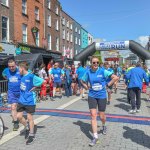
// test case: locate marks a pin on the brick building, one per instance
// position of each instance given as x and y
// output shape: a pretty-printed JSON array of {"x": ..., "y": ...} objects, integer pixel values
[
  {"x": 52, "y": 24},
  {"x": 6, "y": 21},
  {"x": 29, "y": 22},
  {"x": 66, "y": 35}
]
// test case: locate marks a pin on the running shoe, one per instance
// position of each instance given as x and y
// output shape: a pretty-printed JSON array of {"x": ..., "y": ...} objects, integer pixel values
[
  {"x": 108, "y": 103},
  {"x": 27, "y": 131},
  {"x": 138, "y": 110},
  {"x": 132, "y": 111},
  {"x": 16, "y": 126},
  {"x": 94, "y": 142},
  {"x": 104, "y": 130},
  {"x": 30, "y": 140},
  {"x": 52, "y": 99}
]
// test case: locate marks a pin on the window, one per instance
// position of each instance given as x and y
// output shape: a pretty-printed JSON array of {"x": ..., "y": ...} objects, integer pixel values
[
  {"x": 76, "y": 40},
  {"x": 64, "y": 50},
  {"x": 79, "y": 42},
  {"x": 37, "y": 38},
  {"x": 68, "y": 24},
  {"x": 56, "y": 10},
  {"x": 76, "y": 51},
  {"x": 67, "y": 36},
  {"x": 49, "y": 4},
  {"x": 4, "y": 2},
  {"x": 71, "y": 26},
  {"x": 24, "y": 33},
  {"x": 57, "y": 44},
  {"x": 79, "y": 31},
  {"x": 24, "y": 6},
  {"x": 76, "y": 29},
  {"x": 71, "y": 53},
  {"x": 64, "y": 34},
  {"x": 71, "y": 37},
  {"x": 49, "y": 42},
  {"x": 49, "y": 20},
  {"x": 5, "y": 29},
  {"x": 63, "y": 21},
  {"x": 57, "y": 25},
  {"x": 36, "y": 13}
]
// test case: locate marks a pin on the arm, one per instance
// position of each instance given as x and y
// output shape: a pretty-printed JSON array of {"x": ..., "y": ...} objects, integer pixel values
[
  {"x": 146, "y": 78},
  {"x": 4, "y": 73},
  {"x": 84, "y": 80}
]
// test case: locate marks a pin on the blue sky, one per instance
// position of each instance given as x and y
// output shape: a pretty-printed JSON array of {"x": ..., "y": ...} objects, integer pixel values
[{"x": 111, "y": 19}]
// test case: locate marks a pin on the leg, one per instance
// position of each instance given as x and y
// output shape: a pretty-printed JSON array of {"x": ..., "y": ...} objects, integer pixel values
[
  {"x": 138, "y": 98},
  {"x": 66, "y": 89},
  {"x": 21, "y": 119},
  {"x": 70, "y": 90},
  {"x": 54, "y": 91},
  {"x": 132, "y": 97},
  {"x": 31, "y": 122},
  {"x": 14, "y": 111}
]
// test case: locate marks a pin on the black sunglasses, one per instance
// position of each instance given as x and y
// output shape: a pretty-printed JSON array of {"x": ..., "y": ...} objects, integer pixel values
[{"x": 95, "y": 62}]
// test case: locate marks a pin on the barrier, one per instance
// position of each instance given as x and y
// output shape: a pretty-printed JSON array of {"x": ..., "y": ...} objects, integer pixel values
[{"x": 3, "y": 86}]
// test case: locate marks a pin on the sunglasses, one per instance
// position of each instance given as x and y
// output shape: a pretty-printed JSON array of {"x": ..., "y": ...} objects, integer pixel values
[
  {"x": 95, "y": 62},
  {"x": 11, "y": 66}
]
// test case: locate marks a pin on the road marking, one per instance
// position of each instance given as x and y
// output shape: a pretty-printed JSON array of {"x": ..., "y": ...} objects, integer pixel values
[{"x": 13, "y": 134}]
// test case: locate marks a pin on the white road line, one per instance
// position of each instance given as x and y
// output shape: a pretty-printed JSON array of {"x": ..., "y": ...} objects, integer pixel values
[{"x": 13, "y": 134}]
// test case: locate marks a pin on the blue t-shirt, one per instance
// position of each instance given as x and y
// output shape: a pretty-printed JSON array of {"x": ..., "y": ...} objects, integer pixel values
[
  {"x": 13, "y": 79},
  {"x": 80, "y": 72},
  {"x": 97, "y": 80},
  {"x": 29, "y": 81},
  {"x": 56, "y": 72},
  {"x": 108, "y": 79}
]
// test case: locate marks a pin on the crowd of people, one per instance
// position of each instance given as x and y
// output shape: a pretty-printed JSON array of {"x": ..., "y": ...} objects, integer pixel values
[{"x": 100, "y": 80}]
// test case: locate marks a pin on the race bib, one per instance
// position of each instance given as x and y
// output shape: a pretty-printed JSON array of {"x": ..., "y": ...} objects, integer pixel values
[
  {"x": 13, "y": 79},
  {"x": 22, "y": 86},
  {"x": 97, "y": 87},
  {"x": 56, "y": 76}
]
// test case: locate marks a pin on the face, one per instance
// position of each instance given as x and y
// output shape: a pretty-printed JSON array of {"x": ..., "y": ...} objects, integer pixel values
[
  {"x": 12, "y": 66},
  {"x": 106, "y": 65},
  {"x": 95, "y": 63},
  {"x": 56, "y": 65},
  {"x": 21, "y": 70}
]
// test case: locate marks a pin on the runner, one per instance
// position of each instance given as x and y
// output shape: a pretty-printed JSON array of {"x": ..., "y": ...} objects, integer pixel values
[
  {"x": 13, "y": 76},
  {"x": 80, "y": 72},
  {"x": 96, "y": 76},
  {"x": 135, "y": 77},
  {"x": 109, "y": 90},
  {"x": 27, "y": 100},
  {"x": 56, "y": 74}
]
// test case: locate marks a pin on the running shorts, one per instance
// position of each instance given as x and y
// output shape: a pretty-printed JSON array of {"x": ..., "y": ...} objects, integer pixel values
[{"x": 96, "y": 102}]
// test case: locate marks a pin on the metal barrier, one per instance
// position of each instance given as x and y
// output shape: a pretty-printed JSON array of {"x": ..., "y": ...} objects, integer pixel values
[{"x": 3, "y": 86}]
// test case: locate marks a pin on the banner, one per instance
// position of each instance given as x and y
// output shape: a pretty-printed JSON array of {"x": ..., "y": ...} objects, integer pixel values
[{"x": 116, "y": 45}]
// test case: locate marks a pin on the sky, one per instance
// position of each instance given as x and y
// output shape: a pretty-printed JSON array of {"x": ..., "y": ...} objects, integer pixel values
[{"x": 112, "y": 20}]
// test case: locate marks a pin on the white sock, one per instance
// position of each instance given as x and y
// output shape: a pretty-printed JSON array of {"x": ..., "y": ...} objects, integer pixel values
[{"x": 95, "y": 135}]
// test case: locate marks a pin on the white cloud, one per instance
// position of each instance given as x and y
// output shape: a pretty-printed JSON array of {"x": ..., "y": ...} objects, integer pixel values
[{"x": 143, "y": 40}]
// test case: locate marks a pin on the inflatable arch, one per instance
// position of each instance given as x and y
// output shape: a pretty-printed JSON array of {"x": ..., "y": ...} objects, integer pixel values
[{"x": 117, "y": 45}]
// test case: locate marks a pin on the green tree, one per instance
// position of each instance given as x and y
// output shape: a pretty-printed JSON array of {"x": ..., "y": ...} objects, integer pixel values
[{"x": 98, "y": 54}]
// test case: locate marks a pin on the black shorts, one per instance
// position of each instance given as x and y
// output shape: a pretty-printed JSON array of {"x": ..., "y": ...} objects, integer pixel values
[
  {"x": 57, "y": 84},
  {"x": 27, "y": 108},
  {"x": 80, "y": 84},
  {"x": 94, "y": 102}
]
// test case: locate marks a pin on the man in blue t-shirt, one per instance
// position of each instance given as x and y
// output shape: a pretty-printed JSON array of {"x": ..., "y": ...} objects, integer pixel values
[
  {"x": 13, "y": 76},
  {"x": 97, "y": 76},
  {"x": 80, "y": 72},
  {"x": 56, "y": 75},
  {"x": 27, "y": 100}
]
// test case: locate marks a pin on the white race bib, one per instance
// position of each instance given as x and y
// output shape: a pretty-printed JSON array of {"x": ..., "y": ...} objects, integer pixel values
[
  {"x": 22, "y": 86},
  {"x": 13, "y": 79},
  {"x": 97, "y": 87}
]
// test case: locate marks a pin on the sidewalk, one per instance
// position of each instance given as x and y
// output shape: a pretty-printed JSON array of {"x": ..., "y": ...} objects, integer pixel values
[{"x": 70, "y": 131}]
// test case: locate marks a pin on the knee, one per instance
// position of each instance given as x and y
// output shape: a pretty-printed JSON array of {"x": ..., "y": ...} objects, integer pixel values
[
  {"x": 19, "y": 116},
  {"x": 13, "y": 107},
  {"x": 94, "y": 116}
]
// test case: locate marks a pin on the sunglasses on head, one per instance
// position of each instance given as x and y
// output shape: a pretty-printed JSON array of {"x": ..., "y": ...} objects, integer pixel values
[{"x": 95, "y": 62}]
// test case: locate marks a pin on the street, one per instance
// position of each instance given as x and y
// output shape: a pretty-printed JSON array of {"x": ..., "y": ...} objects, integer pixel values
[{"x": 64, "y": 124}]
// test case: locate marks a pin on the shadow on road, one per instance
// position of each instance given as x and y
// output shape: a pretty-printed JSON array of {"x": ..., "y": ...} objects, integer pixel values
[
  {"x": 123, "y": 106},
  {"x": 124, "y": 99},
  {"x": 85, "y": 128},
  {"x": 137, "y": 136}
]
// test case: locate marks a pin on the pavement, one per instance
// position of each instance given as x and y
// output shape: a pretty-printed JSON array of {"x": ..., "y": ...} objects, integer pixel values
[{"x": 64, "y": 124}]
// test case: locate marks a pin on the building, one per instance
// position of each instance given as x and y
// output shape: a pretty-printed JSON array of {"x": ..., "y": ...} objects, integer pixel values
[
  {"x": 6, "y": 27},
  {"x": 84, "y": 38},
  {"x": 29, "y": 25},
  {"x": 66, "y": 35},
  {"x": 77, "y": 37},
  {"x": 52, "y": 25}
]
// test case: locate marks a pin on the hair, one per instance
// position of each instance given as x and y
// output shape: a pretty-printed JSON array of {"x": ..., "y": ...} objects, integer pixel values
[
  {"x": 94, "y": 57},
  {"x": 11, "y": 61},
  {"x": 106, "y": 63},
  {"x": 24, "y": 65},
  {"x": 42, "y": 65}
]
